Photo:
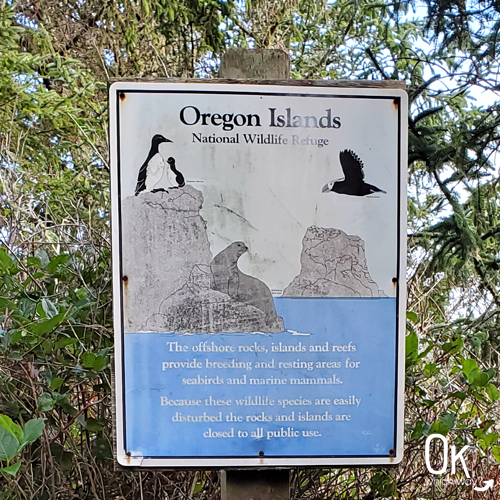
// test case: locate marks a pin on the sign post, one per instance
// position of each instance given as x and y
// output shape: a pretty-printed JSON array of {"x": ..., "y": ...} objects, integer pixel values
[
  {"x": 271, "y": 484},
  {"x": 259, "y": 273}
]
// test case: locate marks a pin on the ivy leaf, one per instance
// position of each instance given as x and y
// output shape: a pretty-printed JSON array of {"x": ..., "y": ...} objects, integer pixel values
[
  {"x": 448, "y": 419},
  {"x": 411, "y": 348},
  {"x": 88, "y": 359},
  {"x": 430, "y": 369},
  {"x": 493, "y": 393},
  {"x": 63, "y": 457},
  {"x": 458, "y": 395},
  {"x": 62, "y": 400},
  {"x": 17, "y": 335},
  {"x": 55, "y": 383},
  {"x": 26, "y": 307},
  {"x": 9, "y": 445},
  {"x": 467, "y": 366},
  {"x": 100, "y": 363},
  {"x": 412, "y": 316},
  {"x": 6, "y": 263},
  {"x": 10, "y": 426},
  {"x": 453, "y": 347},
  {"x": 55, "y": 263},
  {"x": 45, "y": 402},
  {"x": 33, "y": 430},
  {"x": 420, "y": 428},
  {"x": 34, "y": 262},
  {"x": 65, "y": 342},
  {"x": 479, "y": 378},
  {"x": 490, "y": 438},
  {"x": 12, "y": 469},
  {"x": 49, "y": 308},
  {"x": 439, "y": 427},
  {"x": 46, "y": 326},
  {"x": 382, "y": 485},
  {"x": 95, "y": 425},
  {"x": 6, "y": 304}
]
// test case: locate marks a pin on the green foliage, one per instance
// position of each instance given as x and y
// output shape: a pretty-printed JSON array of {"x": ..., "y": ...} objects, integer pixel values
[
  {"x": 55, "y": 298},
  {"x": 13, "y": 439},
  {"x": 382, "y": 485}
]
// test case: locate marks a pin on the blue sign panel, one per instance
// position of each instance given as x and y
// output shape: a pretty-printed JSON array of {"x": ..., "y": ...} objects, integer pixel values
[
  {"x": 258, "y": 244},
  {"x": 323, "y": 387}
]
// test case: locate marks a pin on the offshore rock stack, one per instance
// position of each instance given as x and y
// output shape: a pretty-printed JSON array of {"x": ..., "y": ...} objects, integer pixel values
[
  {"x": 168, "y": 269},
  {"x": 333, "y": 264}
]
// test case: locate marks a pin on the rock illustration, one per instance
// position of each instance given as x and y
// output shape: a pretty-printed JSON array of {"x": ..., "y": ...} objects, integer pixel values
[
  {"x": 196, "y": 308},
  {"x": 168, "y": 270},
  {"x": 333, "y": 264}
]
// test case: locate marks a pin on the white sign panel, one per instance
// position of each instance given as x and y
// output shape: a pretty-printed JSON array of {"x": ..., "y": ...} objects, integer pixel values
[{"x": 259, "y": 274}]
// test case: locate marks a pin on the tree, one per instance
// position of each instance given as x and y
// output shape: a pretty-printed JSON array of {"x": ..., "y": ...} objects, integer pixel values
[{"x": 56, "y": 337}]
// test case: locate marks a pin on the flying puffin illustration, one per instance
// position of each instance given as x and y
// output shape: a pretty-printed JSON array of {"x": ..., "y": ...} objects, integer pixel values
[
  {"x": 152, "y": 169},
  {"x": 353, "y": 183},
  {"x": 175, "y": 178}
]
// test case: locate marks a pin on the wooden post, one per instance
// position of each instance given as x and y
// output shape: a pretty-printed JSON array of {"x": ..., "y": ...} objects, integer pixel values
[
  {"x": 258, "y": 64},
  {"x": 266, "y": 484}
]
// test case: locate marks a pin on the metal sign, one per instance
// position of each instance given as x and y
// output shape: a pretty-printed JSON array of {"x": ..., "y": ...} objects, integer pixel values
[{"x": 259, "y": 274}]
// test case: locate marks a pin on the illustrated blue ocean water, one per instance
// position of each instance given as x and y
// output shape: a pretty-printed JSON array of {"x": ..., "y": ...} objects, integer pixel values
[{"x": 324, "y": 387}]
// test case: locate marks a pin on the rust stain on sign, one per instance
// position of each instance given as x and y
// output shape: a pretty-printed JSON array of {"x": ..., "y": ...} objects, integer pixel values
[
  {"x": 394, "y": 283},
  {"x": 126, "y": 298},
  {"x": 122, "y": 96}
]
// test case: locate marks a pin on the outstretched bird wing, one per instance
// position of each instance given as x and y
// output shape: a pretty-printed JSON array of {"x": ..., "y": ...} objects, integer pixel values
[
  {"x": 141, "y": 179},
  {"x": 352, "y": 166}
]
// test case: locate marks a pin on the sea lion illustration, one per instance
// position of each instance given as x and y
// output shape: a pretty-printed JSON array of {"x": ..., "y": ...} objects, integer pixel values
[{"x": 228, "y": 279}]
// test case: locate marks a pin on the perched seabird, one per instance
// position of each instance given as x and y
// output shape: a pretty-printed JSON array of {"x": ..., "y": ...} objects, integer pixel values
[
  {"x": 353, "y": 183},
  {"x": 152, "y": 169},
  {"x": 175, "y": 178}
]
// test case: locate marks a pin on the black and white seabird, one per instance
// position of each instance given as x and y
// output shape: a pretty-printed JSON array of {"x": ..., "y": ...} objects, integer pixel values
[
  {"x": 175, "y": 178},
  {"x": 152, "y": 169},
  {"x": 353, "y": 182}
]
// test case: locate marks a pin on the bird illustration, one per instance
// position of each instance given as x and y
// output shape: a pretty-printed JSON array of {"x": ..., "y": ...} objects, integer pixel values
[
  {"x": 353, "y": 183},
  {"x": 153, "y": 168},
  {"x": 175, "y": 178}
]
